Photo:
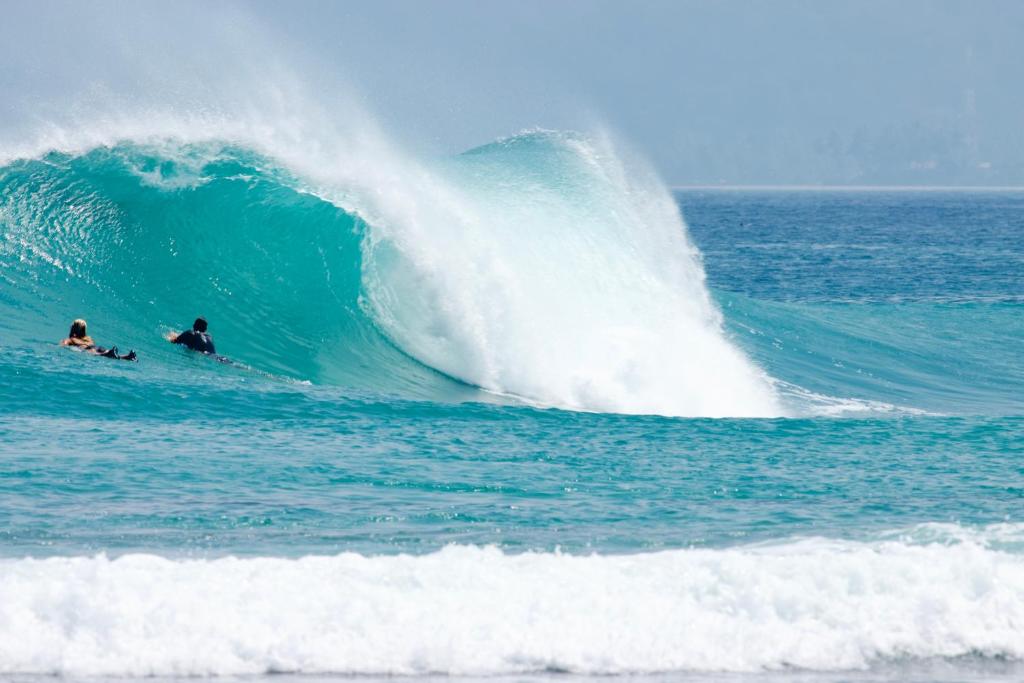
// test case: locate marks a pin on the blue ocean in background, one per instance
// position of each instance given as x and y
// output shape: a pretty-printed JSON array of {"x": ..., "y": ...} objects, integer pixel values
[{"x": 523, "y": 412}]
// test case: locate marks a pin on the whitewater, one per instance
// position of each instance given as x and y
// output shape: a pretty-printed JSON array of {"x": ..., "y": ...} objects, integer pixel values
[
  {"x": 499, "y": 413},
  {"x": 477, "y": 611}
]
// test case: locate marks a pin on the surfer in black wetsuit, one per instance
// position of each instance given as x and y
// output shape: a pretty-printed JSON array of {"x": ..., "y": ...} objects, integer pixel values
[{"x": 197, "y": 339}]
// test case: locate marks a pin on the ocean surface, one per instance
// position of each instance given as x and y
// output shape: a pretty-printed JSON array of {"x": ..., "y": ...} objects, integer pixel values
[{"x": 523, "y": 413}]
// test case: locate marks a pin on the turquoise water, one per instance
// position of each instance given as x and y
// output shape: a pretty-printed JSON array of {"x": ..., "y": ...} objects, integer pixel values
[{"x": 517, "y": 420}]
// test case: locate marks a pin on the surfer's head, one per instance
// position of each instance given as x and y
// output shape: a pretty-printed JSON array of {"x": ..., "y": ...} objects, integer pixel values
[
  {"x": 78, "y": 330},
  {"x": 199, "y": 325}
]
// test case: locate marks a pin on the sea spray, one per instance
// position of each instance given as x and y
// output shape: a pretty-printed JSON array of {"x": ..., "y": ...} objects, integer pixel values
[{"x": 550, "y": 270}]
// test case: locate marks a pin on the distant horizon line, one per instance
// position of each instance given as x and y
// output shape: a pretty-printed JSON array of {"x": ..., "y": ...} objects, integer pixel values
[{"x": 855, "y": 188}]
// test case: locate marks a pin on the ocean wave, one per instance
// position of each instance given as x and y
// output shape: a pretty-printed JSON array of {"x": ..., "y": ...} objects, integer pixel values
[
  {"x": 541, "y": 267},
  {"x": 814, "y": 604}
]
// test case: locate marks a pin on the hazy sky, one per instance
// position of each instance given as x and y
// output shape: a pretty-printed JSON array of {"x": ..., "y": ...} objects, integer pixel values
[{"x": 822, "y": 91}]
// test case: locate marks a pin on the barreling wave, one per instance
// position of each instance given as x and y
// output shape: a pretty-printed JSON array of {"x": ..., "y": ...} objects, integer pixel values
[
  {"x": 537, "y": 267},
  {"x": 813, "y": 604}
]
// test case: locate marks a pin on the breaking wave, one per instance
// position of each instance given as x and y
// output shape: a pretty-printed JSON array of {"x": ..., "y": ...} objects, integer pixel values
[
  {"x": 539, "y": 267},
  {"x": 809, "y": 604}
]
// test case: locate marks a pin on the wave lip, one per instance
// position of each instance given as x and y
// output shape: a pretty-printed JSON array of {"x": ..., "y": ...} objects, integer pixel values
[{"x": 814, "y": 604}]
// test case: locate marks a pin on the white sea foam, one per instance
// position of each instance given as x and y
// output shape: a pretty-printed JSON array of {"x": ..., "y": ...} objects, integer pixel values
[
  {"x": 805, "y": 402},
  {"x": 813, "y": 604}
]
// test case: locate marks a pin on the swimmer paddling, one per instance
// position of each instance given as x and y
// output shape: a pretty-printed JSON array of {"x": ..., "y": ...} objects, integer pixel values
[
  {"x": 197, "y": 339},
  {"x": 78, "y": 338}
]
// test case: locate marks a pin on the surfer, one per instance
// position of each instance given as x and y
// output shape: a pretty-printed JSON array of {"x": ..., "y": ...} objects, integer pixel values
[
  {"x": 78, "y": 338},
  {"x": 197, "y": 339}
]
